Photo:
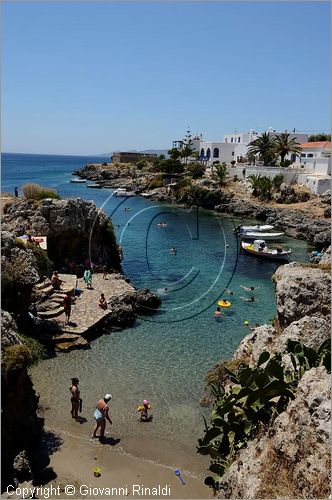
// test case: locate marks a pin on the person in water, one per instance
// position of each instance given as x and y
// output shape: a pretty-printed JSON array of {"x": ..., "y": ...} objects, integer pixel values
[
  {"x": 218, "y": 313},
  {"x": 173, "y": 251},
  {"x": 252, "y": 299},
  {"x": 229, "y": 291},
  {"x": 143, "y": 409},
  {"x": 249, "y": 289},
  {"x": 75, "y": 397},
  {"x": 101, "y": 414}
]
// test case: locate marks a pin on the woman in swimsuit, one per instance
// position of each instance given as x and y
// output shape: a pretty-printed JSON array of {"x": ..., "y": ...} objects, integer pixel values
[
  {"x": 75, "y": 397},
  {"x": 101, "y": 415}
]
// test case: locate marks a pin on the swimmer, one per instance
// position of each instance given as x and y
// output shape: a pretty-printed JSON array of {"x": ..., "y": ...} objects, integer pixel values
[
  {"x": 173, "y": 251},
  {"x": 249, "y": 289},
  {"x": 143, "y": 410},
  {"x": 218, "y": 313},
  {"x": 252, "y": 299},
  {"x": 229, "y": 291}
]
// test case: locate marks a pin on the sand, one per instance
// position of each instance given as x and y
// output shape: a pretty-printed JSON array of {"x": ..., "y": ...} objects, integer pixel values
[{"x": 127, "y": 474}]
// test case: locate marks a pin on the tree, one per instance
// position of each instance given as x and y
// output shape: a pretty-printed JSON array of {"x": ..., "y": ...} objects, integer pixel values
[
  {"x": 319, "y": 137},
  {"x": 255, "y": 181},
  {"x": 284, "y": 146},
  {"x": 221, "y": 173},
  {"x": 196, "y": 170},
  {"x": 171, "y": 165},
  {"x": 264, "y": 147},
  {"x": 187, "y": 149}
]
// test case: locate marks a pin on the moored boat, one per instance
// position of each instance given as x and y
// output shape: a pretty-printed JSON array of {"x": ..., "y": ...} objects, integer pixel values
[
  {"x": 95, "y": 186},
  {"x": 146, "y": 195},
  {"x": 123, "y": 192},
  {"x": 258, "y": 227},
  {"x": 265, "y": 236},
  {"x": 259, "y": 249},
  {"x": 78, "y": 181}
]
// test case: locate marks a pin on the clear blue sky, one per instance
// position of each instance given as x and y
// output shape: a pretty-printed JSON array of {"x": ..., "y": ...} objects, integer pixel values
[{"x": 88, "y": 78}]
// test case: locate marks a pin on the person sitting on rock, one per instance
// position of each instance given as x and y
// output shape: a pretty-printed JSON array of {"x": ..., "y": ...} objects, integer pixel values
[
  {"x": 56, "y": 282},
  {"x": 102, "y": 302}
]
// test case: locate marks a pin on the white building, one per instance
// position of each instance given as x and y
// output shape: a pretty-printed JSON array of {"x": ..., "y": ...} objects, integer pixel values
[{"x": 316, "y": 157}]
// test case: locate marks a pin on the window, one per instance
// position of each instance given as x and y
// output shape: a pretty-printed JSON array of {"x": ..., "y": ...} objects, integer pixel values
[
  {"x": 310, "y": 155},
  {"x": 208, "y": 153},
  {"x": 202, "y": 152},
  {"x": 231, "y": 139},
  {"x": 239, "y": 139},
  {"x": 302, "y": 155},
  {"x": 216, "y": 153},
  {"x": 232, "y": 153}
]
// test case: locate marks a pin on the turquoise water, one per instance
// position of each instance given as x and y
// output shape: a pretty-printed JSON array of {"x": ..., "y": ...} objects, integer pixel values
[{"x": 164, "y": 357}]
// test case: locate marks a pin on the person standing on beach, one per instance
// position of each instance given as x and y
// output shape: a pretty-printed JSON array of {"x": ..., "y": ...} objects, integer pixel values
[
  {"x": 104, "y": 272},
  {"x": 75, "y": 397},
  {"x": 101, "y": 415},
  {"x": 16, "y": 192}
]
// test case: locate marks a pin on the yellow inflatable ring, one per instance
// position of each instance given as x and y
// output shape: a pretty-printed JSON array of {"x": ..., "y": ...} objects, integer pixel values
[{"x": 224, "y": 303}]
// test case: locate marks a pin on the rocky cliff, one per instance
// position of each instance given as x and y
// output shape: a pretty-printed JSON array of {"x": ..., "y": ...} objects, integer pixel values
[
  {"x": 20, "y": 425},
  {"x": 76, "y": 230},
  {"x": 290, "y": 457}
]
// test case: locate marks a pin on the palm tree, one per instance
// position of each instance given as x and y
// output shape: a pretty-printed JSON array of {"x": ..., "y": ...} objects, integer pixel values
[
  {"x": 264, "y": 146},
  {"x": 284, "y": 146},
  {"x": 221, "y": 174},
  {"x": 255, "y": 181}
]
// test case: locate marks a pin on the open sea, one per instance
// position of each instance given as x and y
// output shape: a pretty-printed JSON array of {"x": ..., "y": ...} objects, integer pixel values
[{"x": 163, "y": 358}]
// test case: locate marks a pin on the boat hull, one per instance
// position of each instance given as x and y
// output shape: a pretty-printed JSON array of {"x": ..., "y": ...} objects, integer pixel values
[
  {"x": 263, "y": 236},
  {"x": 270, "y": 255},
  {"x": 260, "y": 228}
]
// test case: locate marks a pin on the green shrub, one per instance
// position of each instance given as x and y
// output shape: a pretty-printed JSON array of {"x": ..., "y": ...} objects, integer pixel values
[
  {"x": 277, "y": 181},
  {"x": 157, "y": 182},
  {"x": 44, "y": 265},
  {"x": 16, "y": 357},
  {"x": 196, "y": 170},
  {"x": 36, "y": 349},
  {"x": 141, "y": 164},
  {"x": 37, "y": 192}
]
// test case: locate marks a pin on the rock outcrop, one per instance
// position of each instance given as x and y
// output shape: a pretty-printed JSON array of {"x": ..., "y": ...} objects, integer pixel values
[
  {"x": 75, "y": 229},
  {"x": 302, "y": 291},
  {"x": 20, "y": 425},
  {"x": 293, "y": 459}
]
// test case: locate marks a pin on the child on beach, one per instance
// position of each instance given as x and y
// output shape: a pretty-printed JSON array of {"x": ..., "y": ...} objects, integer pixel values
[
  {"x": 102, "y": 302},
  {"x": 143, "y": 410}
]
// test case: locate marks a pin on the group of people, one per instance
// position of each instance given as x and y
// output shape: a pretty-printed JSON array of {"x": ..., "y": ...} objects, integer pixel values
[
  {"x": 250, "y": 289},
  {"x": 101, "y": 413}
]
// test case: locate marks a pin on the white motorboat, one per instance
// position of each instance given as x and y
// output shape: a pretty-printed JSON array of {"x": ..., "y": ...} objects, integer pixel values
[
  {"x": 95, "y": 186},
  {"x": 78, "y": 181},
  {"x": 258, "y": 227},
  {"x": 259, "y": 249},
  {"x": 123, "y": 192},
  {"x": 265, "y": 236}
]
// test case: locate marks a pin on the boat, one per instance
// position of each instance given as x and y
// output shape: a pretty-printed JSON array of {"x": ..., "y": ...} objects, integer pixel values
[
  {"x": 265, "y": 236},
  {"x": 146, "y": 195},
  {"x": 258, "y": 227},
  {"x": 95, "y": 186},
  {"x": 78, "y": 181},
  {"x": 122, "y": 192},
  {"x": 259, "y": 249}
]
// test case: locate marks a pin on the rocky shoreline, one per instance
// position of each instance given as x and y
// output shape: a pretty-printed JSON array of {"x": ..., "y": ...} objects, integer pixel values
[
  {"x": 295, "y": 223},
  {"x": 290, "y": 457}
]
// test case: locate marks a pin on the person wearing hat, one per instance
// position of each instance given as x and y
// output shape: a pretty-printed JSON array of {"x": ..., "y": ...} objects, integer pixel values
[
  {"x": 101, "y": 415},
  {"x": 75, "y": 397}
]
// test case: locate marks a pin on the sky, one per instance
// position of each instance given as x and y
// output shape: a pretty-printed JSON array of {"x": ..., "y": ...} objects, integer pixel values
[{"x": 88, "y": 78}]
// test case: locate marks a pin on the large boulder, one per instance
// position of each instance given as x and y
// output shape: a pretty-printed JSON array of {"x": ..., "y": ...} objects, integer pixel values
[
  {"x": 75, "y": 229},
  {"x": 292, "y": 459},
  {"x": 301, "y": 291}
]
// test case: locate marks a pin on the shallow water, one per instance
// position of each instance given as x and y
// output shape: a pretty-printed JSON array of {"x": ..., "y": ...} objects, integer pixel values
[{"x": 164, "y": 357}]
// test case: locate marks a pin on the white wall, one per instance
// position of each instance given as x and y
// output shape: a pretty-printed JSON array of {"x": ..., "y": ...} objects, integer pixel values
[{"x": 317, "y": 185}]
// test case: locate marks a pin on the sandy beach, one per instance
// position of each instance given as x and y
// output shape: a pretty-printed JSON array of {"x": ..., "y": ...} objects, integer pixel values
[{"x": 124, "y": 474}]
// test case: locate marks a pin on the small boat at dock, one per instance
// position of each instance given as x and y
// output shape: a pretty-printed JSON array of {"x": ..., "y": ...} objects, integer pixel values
[
  {"x": 146, "y": 195},
  {"x": 258, "y": 227},
  {"x": 259, "y": 249},
  {"x": 94, "y": 186}
]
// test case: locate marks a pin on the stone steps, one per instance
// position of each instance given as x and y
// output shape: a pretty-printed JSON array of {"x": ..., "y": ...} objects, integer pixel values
[
  {"x": 51, "y": 314},
  {"x": 44, "y": 284}
]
